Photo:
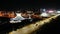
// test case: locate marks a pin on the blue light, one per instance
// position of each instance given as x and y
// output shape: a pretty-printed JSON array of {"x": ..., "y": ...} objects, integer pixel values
[{"x": 44, "y": 10}]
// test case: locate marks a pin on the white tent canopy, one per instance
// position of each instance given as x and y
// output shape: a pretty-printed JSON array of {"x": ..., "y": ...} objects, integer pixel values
[{"x": 44, "y": 15}]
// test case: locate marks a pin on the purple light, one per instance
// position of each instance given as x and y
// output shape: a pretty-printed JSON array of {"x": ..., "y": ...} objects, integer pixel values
[{"x": 50, "y": 11}]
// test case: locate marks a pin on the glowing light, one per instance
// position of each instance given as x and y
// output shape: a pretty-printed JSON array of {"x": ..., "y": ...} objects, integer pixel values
[
  {"x": 44, "y": 15},
  {"x": 44, "y": 10},
  {"x": 18, "y": 14},
  {"x": 50, "y": 11},
  {"x": 58, "y": 11}
]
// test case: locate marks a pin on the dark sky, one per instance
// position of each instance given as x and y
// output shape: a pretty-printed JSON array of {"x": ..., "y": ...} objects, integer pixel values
[{"x": 16, "y": 4}]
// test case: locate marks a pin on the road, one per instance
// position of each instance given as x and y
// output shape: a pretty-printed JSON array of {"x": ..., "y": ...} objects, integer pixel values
[{"x": 32, "y": 27}]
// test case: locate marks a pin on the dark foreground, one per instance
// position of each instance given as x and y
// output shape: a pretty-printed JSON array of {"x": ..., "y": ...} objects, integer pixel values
[
  {"x": 52, "y": 27},
  {"x": 6, "y": 26}
]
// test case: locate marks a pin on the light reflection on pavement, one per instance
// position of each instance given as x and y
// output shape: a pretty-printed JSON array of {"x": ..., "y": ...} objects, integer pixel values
[{"x": 32, "y": 27}]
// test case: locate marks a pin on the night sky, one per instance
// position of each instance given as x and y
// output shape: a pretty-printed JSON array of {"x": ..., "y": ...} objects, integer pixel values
[{"x": 25, "y": 4}]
